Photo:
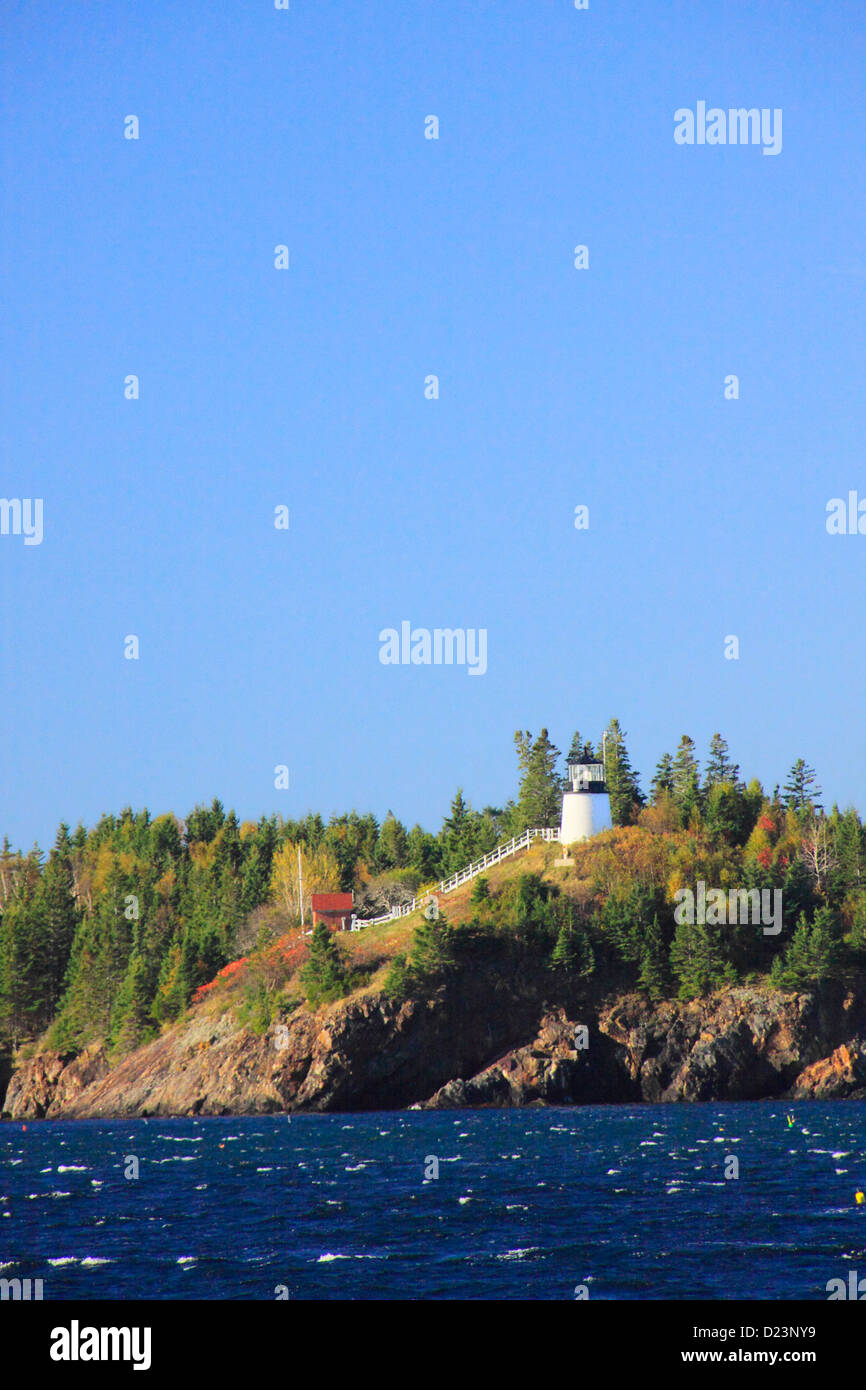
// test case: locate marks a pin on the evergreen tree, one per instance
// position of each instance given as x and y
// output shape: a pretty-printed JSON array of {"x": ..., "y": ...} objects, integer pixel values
[
  {"x": 488, "y": 830},
  {"x": 697, "y": 959},
  {"x": 133, "y": 1023},
  {"x": 858, "y": 928},
  {"x": 729, "y": 812},
  {"x": 255, "y": 885},
  {"x": 229, "y": 850},
  {"x": 58, "y": 916},
  {"x": 798, "y": 895},
  {"x": 580, "y": 751},
  {"x": 392, "y": 845},
  {"x": 719, "y": 766},
  {"x": 575, "y": 752},
  {"x": 399, "y": 981},
  {"x": 9, "y": 865},
  {"x": 174, "y": 987},
  {"x": 84, "y": 1010},
  {"x": 528, "y": 907},
  {"x": 432, "y": 950},
  {"x": 625, "y": 920},
  {"x": 458, "y": 836},
  {"x": 352, "y": 840},
  {"x": 811, "y": 958},
  {"x": 849, "y": 854},
  {"x": 480, "y": 893},
  {"x": 424, "y": 853},
  {"x": 267, "y": 840},
  {"x": 653, "y": 976},
  {"x": 19, "y": 983},
  {"x": 801, "y": 789},
  {"x": 686, "y": 779},
  {"x": 539, "y": 803},
  {"x": 324, "y": 976},
  {"x": 623, "y": 788},
  {"x": 573, "y": 953},
  {"x": 663, "y": 778},
  {"x": 166, "y": 844},
  {"x": 235, "y": 897},
  {"x": 203, "y": 823}
]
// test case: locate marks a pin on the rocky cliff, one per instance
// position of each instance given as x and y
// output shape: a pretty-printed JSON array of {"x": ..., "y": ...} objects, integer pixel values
[{"x": 472, "y": 1044}]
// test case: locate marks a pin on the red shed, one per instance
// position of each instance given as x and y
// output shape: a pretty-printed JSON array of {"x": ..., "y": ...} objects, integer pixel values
[{"x": 335, "y": 909}]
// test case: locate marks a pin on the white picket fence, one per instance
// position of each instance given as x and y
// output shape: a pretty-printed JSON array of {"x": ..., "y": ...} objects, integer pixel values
[{"x": 514, "y": 846}]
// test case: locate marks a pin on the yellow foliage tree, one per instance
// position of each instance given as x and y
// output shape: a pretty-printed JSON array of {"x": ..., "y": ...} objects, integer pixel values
[{"x": 319, "y": 869}]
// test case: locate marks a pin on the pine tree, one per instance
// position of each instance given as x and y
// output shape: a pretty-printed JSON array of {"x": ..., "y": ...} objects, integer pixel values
[
  {"x": 728, "y": 812},
  {"x": 801, "y": 789},
  {"x": 424, "y": 853},
  {"x": 697, "y": 959},
  {"x": 858, "y": 927},
  {"x": 228, "y": 847},
  {"x": 175, "y": 986},
  {"x": 399, "y": 981},
  {"x": 36, "y": 934},
  {"x": 432, "y": 951},
  {"x": 84, "y": 1012},
  {"x": 575, "y": 752},
  {"x": 458, "y": 837},
  {"x": 99, "y": 960},
  {"x": 849, "y": 851},
  {"x": 480, "y": 893},
  {"x": 653, "y": 976},
  {"x": 580, "y": 751},
  {"x": 255, "y": 884},
  {"x": 812, "y": 956},
  {"x": 392, "y": 845},
  {"x": 622, "y": 783},
  {"x": 18, "y": 1002},
  {"x": 488, "y": 830},
  {"x": 686, "y": 779},
  {"x": 324, "y": 976},
  {"x": 267, "y": 839},
  {"x": 59, "y": 918},
  {"x": 625, "y": 919},
  {"x": 540, "y": 797},
  {"x": 133, "y": 1023},
  {"x": 203, "y": 822},
  {"x": 719, "y": 766},
  {"x": 573, "y": 953},
  {"x": 663, "y": 778}
]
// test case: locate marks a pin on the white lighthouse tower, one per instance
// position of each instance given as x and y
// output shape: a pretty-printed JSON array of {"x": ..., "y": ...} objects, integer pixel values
[{"x": 586, "y": 806}]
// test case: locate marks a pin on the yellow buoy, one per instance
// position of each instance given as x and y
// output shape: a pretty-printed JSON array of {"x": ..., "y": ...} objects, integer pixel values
[{"x": 859, "y": 1198}]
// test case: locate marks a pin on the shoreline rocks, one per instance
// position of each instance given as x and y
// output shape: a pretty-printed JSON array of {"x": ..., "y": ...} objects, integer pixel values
[{"x": 479, "y": 1041}]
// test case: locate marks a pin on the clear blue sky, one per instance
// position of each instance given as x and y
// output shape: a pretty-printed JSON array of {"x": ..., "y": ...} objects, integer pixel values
[{"x": 306, "y": 387}]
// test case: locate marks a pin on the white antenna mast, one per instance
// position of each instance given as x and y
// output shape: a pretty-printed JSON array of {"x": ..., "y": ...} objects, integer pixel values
[{"x": 300, "y": 887}]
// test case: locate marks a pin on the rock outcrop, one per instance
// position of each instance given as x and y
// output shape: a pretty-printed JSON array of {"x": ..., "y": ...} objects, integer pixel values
[
  {"x": 559, "y": 1067},
  {"x": 841, "y": 1076},
  {"x": 740, "y": 1044},
  {"x": 478, "y": 1041},
  {"x": 53, "y": 1082}
]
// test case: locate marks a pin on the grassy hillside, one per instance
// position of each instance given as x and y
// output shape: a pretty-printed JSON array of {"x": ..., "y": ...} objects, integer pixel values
[{"x": 610, "y": 917}]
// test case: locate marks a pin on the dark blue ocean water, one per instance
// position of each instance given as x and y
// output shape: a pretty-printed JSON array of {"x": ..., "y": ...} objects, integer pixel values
[{"x": 630, "y": 1201}]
